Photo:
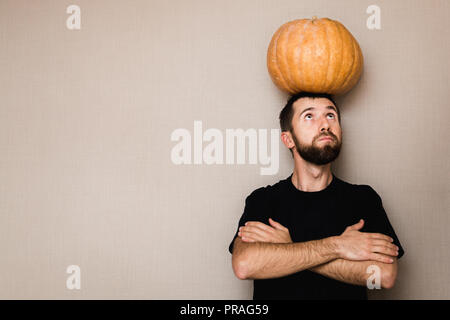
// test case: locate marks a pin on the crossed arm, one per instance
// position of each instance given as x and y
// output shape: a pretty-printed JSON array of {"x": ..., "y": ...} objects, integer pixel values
[
  {"x": 263, "y": 251},
  {"x": 355, "y": 272}
]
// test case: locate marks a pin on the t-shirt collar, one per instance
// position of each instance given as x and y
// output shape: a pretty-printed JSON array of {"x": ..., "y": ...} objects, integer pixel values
[{"x": 326, "y": 189}]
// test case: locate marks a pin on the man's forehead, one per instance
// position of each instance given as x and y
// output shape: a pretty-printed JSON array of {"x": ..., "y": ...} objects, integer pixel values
[{"x": 303, "y": 104}]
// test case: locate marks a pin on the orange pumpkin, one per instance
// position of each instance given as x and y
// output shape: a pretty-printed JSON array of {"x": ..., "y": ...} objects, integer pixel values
[{"x": 314, "y": 55}]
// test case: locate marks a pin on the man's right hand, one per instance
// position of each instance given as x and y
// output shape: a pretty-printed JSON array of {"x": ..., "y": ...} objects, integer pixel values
[{"x": 360, "y": 246}]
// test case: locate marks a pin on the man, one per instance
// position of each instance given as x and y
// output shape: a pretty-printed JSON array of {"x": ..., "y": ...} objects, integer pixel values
[{"x": 313, "y": 235}]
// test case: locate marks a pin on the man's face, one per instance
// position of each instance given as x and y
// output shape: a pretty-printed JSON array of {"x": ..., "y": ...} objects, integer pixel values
[{"x": 313, "y": 120}]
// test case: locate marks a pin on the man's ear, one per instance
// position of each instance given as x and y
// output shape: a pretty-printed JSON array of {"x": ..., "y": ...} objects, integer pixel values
[{"x": 286, "y": 137}]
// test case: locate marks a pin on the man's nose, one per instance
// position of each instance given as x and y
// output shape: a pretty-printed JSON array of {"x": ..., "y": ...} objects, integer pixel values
[{"x": 324, "y": 125}]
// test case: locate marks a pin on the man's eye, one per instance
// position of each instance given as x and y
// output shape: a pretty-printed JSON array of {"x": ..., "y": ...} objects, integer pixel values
[
  {"x": 331, "y": 114},
  {"x": 308, "y": 115}
]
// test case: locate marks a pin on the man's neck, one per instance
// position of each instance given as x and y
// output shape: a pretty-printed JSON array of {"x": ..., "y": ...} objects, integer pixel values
[{"x": 309, "y": 177}]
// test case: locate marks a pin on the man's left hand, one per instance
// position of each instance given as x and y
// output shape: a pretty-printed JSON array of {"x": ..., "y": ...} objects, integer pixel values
[{"x": 255, "y": 231}]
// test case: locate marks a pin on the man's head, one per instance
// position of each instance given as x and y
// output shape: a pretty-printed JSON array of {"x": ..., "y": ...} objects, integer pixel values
[{"x": 307, "y": 118}]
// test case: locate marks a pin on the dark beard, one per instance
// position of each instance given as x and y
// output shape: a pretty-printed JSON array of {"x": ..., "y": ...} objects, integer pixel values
[{"x": 319, "y": 155}]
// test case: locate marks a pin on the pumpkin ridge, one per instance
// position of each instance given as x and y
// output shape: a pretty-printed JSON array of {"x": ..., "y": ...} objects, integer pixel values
[
  {"x": 324, "y": 84},
  {"x": 333, "y": 53},
  {"x": 302, "y": 71},
  {"x": 349, "y": 73},
  {"x": 310, "y": 66},
  {"x": 278, "y": 79},
  {"x": 339, "y": 65},
  {"x": 349, "y": 58},
  {"x": 298, "y": 72},
  {"x": 351, "y": 69},
  {"x": 285, "y": 61},
  {"x": 356, "y": 71},
  {"x": 359, "y": 69},
  {"x": 315, "y": 31},
  {"x": 290, "y": 56}
]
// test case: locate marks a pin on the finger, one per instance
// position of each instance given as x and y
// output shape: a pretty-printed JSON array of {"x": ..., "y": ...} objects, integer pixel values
[
  {"x": 356, "y": 226},
  {"x": 385, "y": 243},
  {"x": 260, "y": 232},
  {"x": 381, "y": 258},
  {"x": 380, "y": 236},
  {"x": 277, "y": 225},
  {"x": 252, "y": 236},
  {"x": 245, "y": 239},
  {"x": 385, "y": 250},
  {"x": 259, "y": 225}
]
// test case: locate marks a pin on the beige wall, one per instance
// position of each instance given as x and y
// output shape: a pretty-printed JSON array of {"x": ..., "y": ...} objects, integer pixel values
[{"x": 86, "y": 118}]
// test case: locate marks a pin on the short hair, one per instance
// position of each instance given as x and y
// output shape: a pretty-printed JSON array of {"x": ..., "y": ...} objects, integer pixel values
[{"x": 288, "y": 111}]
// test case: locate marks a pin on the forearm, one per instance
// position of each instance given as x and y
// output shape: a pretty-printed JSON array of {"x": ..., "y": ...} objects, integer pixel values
[
  {"x": 355, "y": 272},
  {"x": 262, "y": 260}
]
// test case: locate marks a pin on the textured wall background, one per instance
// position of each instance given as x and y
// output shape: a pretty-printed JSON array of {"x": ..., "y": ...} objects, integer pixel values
[{"x": 86, "y": 118}]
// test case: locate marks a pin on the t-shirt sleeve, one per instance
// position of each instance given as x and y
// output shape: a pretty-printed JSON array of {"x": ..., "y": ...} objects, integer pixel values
[
  {"x": 376, "y": 220},
  {"x": 255, "y": 210}
]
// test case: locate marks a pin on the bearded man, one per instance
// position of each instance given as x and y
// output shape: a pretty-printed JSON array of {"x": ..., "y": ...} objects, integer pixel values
[{"x": 313, "y": 235}]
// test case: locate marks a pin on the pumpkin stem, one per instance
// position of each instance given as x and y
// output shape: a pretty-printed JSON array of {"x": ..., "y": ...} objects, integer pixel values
[{"x": 314, "y": 18}]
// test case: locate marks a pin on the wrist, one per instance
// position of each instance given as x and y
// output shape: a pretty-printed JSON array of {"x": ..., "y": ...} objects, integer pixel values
[{"x": 333, "y": 243}]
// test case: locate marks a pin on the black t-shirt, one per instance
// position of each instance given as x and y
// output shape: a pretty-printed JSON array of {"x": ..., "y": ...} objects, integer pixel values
[{"x": 312, "y": 216}]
